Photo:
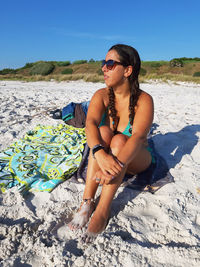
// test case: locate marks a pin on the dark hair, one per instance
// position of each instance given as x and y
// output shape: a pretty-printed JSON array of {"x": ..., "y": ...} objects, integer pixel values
[{"x": 127, "y": 56}]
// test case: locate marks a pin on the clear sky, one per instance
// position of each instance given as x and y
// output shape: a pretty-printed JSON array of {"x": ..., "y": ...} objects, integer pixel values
[{"x": 32, "y": 30}]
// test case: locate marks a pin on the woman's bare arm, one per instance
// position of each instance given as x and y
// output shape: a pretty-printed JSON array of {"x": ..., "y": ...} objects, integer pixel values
[
  {"x": 94, "y": 115},
  {"x": 106, "y": 162},
  {"x": 141, "y": 126}
]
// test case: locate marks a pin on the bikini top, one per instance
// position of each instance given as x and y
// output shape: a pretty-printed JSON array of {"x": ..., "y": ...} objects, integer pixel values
[{"x": 127, "y": 131}]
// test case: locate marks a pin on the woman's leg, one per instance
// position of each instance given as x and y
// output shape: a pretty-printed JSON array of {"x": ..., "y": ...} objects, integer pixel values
[
  {"x": 141, "y": 162},
  {"x": 87, "y": 206},
  {"x": 91, "y": 185},
  {"x": 100, "y": 217}
]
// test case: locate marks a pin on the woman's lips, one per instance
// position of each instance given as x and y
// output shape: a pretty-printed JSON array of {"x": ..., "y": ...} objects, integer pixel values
[{"x": 105, "y": 77}]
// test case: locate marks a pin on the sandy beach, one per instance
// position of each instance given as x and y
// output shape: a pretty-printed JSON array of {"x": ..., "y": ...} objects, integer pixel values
[{"x": 161, "y": 229}]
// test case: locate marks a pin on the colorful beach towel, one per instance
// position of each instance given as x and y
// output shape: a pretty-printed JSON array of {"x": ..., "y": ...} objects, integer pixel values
[{"x": 44, "y": 158}]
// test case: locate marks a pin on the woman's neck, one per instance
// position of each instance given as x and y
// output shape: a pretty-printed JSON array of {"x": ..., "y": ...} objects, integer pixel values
[{"x": 122, "y": 91}]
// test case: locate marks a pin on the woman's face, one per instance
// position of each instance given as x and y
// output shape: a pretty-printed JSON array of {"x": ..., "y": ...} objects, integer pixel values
[{"x": 115, "y": 76}]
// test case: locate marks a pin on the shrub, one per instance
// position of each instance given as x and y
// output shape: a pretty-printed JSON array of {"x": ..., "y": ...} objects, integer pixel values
[
  {"x": 196, "y": 74},
  {"x": 67, "y": 71},
  {"x": 91, "y": 60},
  {"x": 155, "y": 65},
  {"x": 42, "y": 68},
  {"x": 80, "y": 61},
  {"x": 189, "y": 59},
  {"x": 63, "y": 63},
  {"x": 143, "y": 72},
  {"x": 196, "y": 58},
  {"x": 100, "y": 72},
  {"x": 28, "y": 65},
  {"x": 8, "y": 71},
  {"x": 176, "y": 62}
]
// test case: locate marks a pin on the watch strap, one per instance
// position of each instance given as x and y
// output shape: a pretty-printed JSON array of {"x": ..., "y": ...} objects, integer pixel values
[{"x": 96, "y": 148}]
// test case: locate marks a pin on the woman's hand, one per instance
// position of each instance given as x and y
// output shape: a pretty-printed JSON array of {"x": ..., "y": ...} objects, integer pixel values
[
  {"x": 107, "y": 163},
  {"x": 101, "y": 178}
]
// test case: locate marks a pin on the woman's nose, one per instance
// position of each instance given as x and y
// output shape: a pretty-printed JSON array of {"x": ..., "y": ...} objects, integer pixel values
[{"x": 104, "y": 68}]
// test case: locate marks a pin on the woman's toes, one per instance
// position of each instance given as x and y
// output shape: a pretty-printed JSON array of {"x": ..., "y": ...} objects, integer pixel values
[
  {"x": 97, "y": 224},
  {"x": 88, "y": 237},
  {"x": 70, "y": 225},
  {"x": 81, "y": 218}
]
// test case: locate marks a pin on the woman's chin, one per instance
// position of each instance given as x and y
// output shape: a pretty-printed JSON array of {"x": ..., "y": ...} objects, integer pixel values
[
  {"x": 111, "y": 84},
  {"x": 108, "y": 83}
]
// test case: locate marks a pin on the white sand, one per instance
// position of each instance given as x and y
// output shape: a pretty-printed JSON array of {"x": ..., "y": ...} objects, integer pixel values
[{"x": 144, "y": 230}]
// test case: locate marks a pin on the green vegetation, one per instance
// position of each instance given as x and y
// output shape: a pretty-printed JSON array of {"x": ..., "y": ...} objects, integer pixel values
[
  {"x": 42, "y": 68},
  {"x": 176, "y": 62},
  {"x": 80, "y": 62},
  {"x": 196, "y": 74},
  {"x": 91, "y": 60},
  {"x": 28, "y": 65},
  {"x": 99, "y": 72},
  {"x": 178, "y": 69},
  {"x": 155, "y": 63},
  {"x": 8, "y": 71},
  {"x": 62, "y": 63},
  {"x": 189, "y": 59},
  {"x": 143, "y": 72},
  {"x": 67, "y": 71}
]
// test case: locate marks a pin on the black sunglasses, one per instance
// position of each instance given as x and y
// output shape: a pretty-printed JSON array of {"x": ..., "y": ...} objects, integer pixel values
[{"x": 110, "y": 63}]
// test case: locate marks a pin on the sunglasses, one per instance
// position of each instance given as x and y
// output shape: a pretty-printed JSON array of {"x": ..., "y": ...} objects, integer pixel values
[{"x": 110, "y": 64}]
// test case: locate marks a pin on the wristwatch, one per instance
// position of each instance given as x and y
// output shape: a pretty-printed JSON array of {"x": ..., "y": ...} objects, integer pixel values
[{"x": 96, "y": 148}]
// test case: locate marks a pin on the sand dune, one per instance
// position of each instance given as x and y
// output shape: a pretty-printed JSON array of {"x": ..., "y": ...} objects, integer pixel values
[{"x": 144, "y": 230}]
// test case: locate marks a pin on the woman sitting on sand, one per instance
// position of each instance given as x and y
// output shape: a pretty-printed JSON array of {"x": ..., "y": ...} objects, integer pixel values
[{"x": 118, "y": 121}]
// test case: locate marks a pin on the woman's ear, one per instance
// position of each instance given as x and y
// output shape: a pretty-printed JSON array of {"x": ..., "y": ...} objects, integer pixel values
[{"x": 128, "y": 71}]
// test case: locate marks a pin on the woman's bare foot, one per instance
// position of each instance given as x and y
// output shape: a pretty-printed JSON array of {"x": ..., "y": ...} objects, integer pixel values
[
  {"x": 82, "y": 216},
  {"x": 96, "y": 225}
]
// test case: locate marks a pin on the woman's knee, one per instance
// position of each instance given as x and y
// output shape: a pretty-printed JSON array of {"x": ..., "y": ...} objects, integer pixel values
[
  {"x": 106, "y": 135},
  {"x": 117, "y": 143}
]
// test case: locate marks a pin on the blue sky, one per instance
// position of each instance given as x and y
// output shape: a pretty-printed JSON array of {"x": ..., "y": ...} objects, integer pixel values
[{"x": 81, "y": 29}]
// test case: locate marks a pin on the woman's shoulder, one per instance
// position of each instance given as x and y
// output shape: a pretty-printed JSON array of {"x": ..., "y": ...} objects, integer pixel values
[
  {"x": 101, "y": 91},
  {"x": 144, "y": 97},
  {"x": 102, "y": 94},
  {"x": 145, "y": 100}
]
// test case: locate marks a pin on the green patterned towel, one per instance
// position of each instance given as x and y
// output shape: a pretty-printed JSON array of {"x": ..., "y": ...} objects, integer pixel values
[{"x": 44, "y": 158}]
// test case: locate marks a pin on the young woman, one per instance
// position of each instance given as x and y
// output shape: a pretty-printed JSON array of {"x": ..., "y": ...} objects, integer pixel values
[{"x": 118, "y": 121}]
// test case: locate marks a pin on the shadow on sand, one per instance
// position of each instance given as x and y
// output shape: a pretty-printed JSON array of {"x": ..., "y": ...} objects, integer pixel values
[{"x": 172, "y": 146}]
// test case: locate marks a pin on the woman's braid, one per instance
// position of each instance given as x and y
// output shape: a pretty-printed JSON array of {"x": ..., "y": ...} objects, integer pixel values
[
  {"x": 112, "y": 110},
  {"x": 134, "y": 96}
]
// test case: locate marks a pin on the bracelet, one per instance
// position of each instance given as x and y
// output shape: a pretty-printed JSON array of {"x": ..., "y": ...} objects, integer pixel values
[
  {"x": 121, "y": 164},
  {"x": 96, "y": 148}
]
